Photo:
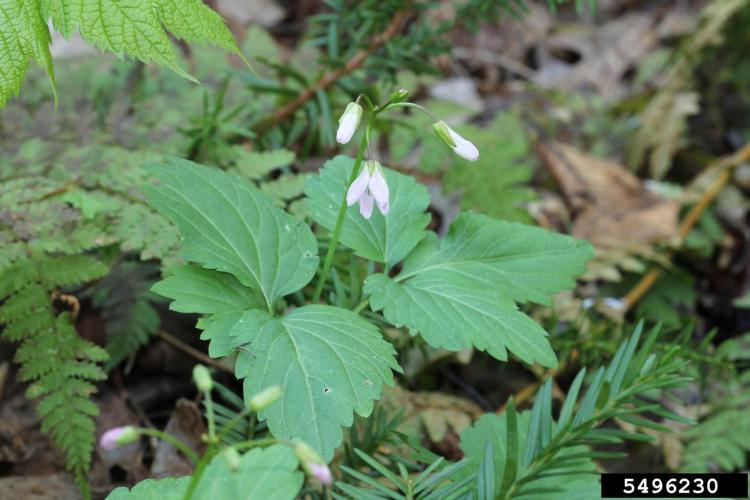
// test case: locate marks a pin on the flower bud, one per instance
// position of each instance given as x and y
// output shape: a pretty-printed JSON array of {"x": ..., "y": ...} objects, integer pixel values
[
  {"x": 322, "y": 472},
  {"x": 463, "y": 148},
  {"x": 202, "y": 378},
  {"x": 118, "y": 436},
  {"x": 348, "y": 122},
  {"x": 231, "y": 458},
  {"x": 312, "y": 463},
  {"x": 399, "y": 95},
  {"x": 265, "y": 398}
]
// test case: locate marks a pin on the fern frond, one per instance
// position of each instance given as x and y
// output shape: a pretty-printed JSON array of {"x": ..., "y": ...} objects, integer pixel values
[{"x": 127, "y": 306}]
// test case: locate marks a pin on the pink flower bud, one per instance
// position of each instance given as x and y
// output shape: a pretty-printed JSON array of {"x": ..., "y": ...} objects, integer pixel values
[
  {"x": 118, "y": 436},
  {"x": 322, "y": 472}
]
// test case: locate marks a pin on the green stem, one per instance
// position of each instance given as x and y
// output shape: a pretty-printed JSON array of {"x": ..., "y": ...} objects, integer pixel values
[
  {"x": 198, "y": 472},
  {"x": 340, "y": 220},
  {"x": 254, "y": 443},
  {"x": 361, "y": 306},
  {"x": 210, "y": 417},
  {"x": 171, "y": 440}
]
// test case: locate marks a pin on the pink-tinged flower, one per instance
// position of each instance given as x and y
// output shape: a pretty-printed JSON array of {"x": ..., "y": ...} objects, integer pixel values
[
  {"x": 118, "y": 436},
  {"x": 368, "y": 188},
  {"x": 312, "y": 463},
  {"x": 463, "y": 148},
  {"x": 322, "y": 472},
  {"x": 348, "y": 122}
]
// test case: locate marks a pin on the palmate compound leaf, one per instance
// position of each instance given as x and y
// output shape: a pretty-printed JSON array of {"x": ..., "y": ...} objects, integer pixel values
[
  {"x": 24, "y": 36},
  {"x": 264, "y": 474},
  {"x": 462, "y": 291},
  {"x": 229, "y": 225},
  {"x": 330, "y": 362},
  {"x": 384, "y": 239},
  {"x": 126, "y": 27}
]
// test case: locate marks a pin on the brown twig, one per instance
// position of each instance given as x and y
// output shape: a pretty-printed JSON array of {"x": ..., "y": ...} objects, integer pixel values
[
  {"x": 529, "y": 390},
  {"x": 724, "y": 166},
  {"x": 179, "y": 344},
  {"x": 331, "y": 77}
]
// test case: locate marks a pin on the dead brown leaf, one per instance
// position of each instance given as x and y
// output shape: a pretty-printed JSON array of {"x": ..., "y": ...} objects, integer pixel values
[
  {"x": 611, "y": 206},
  {"x": 186, "y": 424}
]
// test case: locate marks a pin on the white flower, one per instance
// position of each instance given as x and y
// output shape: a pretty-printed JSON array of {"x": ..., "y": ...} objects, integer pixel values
[
  {"x": 369, "y": 188},
  {"x": 462, "y": 147},
  {"x": 348, "y": 122}
]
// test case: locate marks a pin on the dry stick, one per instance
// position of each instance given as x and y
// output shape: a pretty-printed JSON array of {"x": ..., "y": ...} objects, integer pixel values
[
  {"x": 179, "y": 344},
  {"x": 725, "y": 166},
  {"x": 528, "y": 391},
  {"x": 331, "y": 77}
]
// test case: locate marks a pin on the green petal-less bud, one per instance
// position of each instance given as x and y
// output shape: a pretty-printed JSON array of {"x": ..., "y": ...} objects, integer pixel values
[
  {"x": 232, "y": 458},
  {"x": 399, "y": 95},
  {"x": 202, "y": 378},
  {"x": 307, "y": 455},
  {"x": 265, "y": 398}
]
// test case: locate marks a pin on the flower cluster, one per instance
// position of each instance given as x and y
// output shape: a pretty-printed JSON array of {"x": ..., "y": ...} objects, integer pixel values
[{"x": 370, "y": 186}]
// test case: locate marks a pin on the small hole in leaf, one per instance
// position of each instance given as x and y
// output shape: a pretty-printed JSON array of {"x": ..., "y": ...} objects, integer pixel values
[{"x": 326, "y": 390}]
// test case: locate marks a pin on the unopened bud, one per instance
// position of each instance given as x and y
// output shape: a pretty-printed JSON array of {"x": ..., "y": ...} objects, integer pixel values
[
  {"x": 265, "y": 398},
  {"x": 119, "y": 436},
  {"x": 202, "y": 378},
  {"x": 313, "y": 463},
  {"x": 399, "y": 95},
  {"x": 231, "y": 458},
  {"x": 463, "y": 148},
  {"x": 348, "y": 122}
]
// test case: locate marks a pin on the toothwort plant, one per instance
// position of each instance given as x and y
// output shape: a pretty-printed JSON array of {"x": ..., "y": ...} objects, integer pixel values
[{"x": 309, "y": 359}]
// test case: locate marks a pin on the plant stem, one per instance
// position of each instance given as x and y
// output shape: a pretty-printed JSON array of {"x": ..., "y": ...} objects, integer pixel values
[
  {"x": 340, "y": 220},
  {"x": 361, "y": 306},
  {"x": 171, "y": 440},
  {"x": 198, "y": 472},
  {"x": 210, "y": 416}
]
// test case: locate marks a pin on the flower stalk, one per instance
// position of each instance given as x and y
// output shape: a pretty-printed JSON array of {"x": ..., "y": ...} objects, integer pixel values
[{"x": 340, "y": 219}]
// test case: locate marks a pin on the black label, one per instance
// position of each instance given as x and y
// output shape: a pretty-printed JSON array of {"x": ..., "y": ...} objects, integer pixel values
[{"x": 674, "y": 485}]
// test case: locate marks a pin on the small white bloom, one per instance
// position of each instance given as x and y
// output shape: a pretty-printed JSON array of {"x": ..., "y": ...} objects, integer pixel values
[
  {"x": 348, "y": 122},
  {"x": 358, "y": 187},
  {"x": 368, "y": 188},
  {"x": 463, "y": 148},
  {"x": 379, "y": 188},
  {"x": 365, "y": 205}
]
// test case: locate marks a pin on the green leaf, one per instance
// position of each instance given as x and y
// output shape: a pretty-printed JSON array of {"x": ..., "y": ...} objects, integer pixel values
[
  {"x": 197, "y": 290},
  {"x": 136, "y": 27},
  {"x": 495, "y": 184},
  {"x": 462, "y": 291},
  {"x": 330, "y": 362},
  {"x": 384, "y": 239},
  {"x": 269, "y": 473},
  {"x": 170, "y": 488},
  {"x": 229, "y": 225},
  {"x": 25, "y": 36}
]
